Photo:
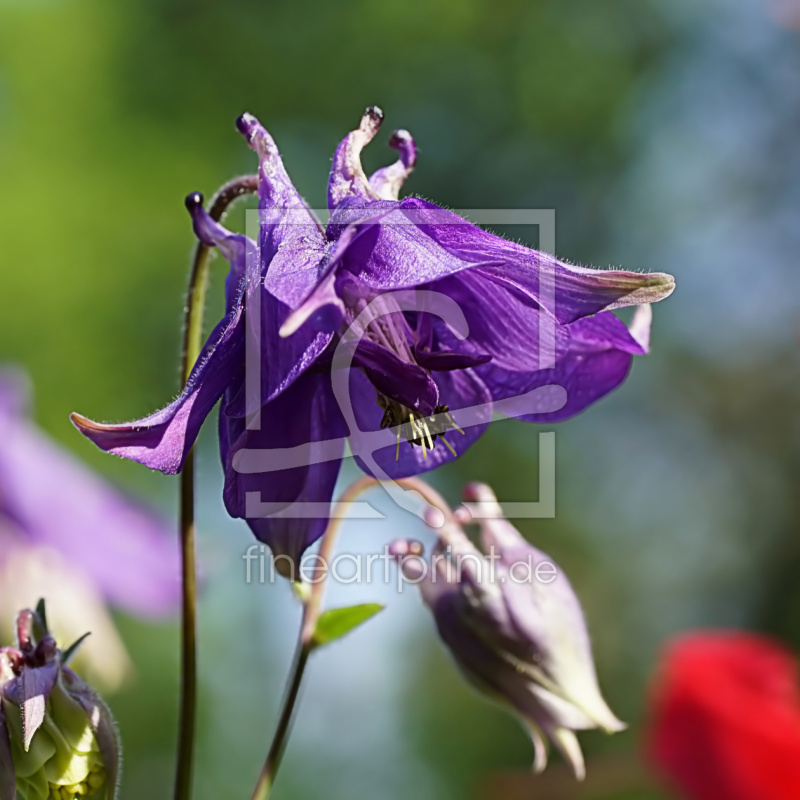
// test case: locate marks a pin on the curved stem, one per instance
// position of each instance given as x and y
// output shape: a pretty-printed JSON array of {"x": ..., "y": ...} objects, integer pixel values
[
  {"x": 192, "y": 344},
  {"x": 305, "y": 645},
  {"x": 311, "y": 611},
  {"x": 429, "y": 495}
]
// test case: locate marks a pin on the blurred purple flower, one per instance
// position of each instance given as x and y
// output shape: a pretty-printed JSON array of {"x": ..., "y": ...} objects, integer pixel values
[
  {"x": 66, "y": 535},
  {"x": 514, "y": 626},
  {"x": 313, "y": 286}
]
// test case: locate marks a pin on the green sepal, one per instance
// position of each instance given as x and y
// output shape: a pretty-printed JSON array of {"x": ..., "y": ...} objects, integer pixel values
[
  {"x": 338, "y": 622},
  {"x": 70, "y": 652},
  {"x": 41, "y": 612}
]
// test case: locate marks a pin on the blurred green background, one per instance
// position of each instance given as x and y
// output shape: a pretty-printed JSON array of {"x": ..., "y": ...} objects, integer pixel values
[{"x": 665, "y": 136}]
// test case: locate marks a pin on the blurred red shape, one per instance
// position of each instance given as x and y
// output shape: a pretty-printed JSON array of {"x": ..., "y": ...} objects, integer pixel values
[{"x": 725, "y": 718}]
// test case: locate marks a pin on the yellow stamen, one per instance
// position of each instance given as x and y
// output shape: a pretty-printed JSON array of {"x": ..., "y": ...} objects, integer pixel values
[
  {"x": 448, "y": 445},
  {"x": 96, "y": 779},
  {"x": 428, "y": 434},
  {"x": 418, "y": 431},
  {"x": 413, "y": 431}
]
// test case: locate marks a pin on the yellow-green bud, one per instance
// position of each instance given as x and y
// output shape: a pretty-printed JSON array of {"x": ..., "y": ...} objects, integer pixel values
[{"x": 57, "y": 738}]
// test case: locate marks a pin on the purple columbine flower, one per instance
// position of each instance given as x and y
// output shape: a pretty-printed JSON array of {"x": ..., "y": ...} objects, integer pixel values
[
  {"x": 57, "y": 737},
  {"x": 441, "y": 322},
  {"x": 513, "y": 625},
  {"x": 67, "y": 535}
]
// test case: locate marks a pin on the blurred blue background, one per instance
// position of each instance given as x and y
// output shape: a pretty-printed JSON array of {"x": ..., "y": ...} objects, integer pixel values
[{"x": 665, "y": 136}]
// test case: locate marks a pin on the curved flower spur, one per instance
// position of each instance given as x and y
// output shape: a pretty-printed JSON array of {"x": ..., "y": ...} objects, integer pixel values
[
  {"x": 512, "y": 623},
  {"x": 308, "y": 289}
]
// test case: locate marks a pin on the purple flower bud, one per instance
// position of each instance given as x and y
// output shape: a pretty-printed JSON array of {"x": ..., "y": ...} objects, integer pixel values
[
  {"x": 57, "y": 737},
  {"x": 513, "y": 624}
]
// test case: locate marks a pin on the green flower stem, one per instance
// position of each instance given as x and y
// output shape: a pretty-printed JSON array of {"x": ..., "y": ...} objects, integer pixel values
[
  {"x": 192, "y": 344},
  {"x": 312, "y": 605}
]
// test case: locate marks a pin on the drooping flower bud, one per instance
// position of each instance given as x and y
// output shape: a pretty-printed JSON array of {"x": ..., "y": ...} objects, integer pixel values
[
  {"x": 513, "y": 624},
  {"x": 57, "y": 738}
]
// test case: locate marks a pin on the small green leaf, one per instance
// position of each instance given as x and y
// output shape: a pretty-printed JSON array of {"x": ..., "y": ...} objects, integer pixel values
[
  {"x": 73, "y": 648},
  {"x": 338, "y": 622},
  {"x": 42, "y": 612}
]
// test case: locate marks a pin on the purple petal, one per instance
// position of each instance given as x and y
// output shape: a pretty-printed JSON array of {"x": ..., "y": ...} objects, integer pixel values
[
  {"x": 394, "y": 250},
  {"x": 354, "y": 217},
  {"x": 307, "y": 279},
  {"x": 323, "y": 307},
  {"x": 292, "y": 271},
  {"x": 491, "y": 673},
  {"x": 504, "y": 323},
  {"x": 538, "y": 611},
  {"x": 462, "y": 391},
  {"x": 291, "y": 241},
  {"x": 593, "y": 361},
  {"x": 419, "y": 242},
  {"x": 237, "y": 249},
  {"x": 320, "y": 301},
  {"x": 549, "y": 617},
  {"x": 30, "y": 691},
  {"x": 291, "y": 249},
  {"x": 387, "y": 182},
  {"x": 162, "y": 440},
  {"x": 347, "y": 175},
  {"x": 407, "y": 383},
  {"x": 305, "y": 273},
  {"x": 479, "y": 661},
  {"x": 605, "y": 331},
  {"x": 129, "y": 554},
  {"x": 577, "y": 292},
  {"x": 276, "y": 190},
  {"x": 15, "y": 392},
  {"x": 306, "y": 416},
  {"x": 566, "y": 291},
  {"x": 233, "y": 246},
  {"x": 104, "y": 728},
  {"x": 448, "y": 360},
  {"x": 272, "y": 362}
]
